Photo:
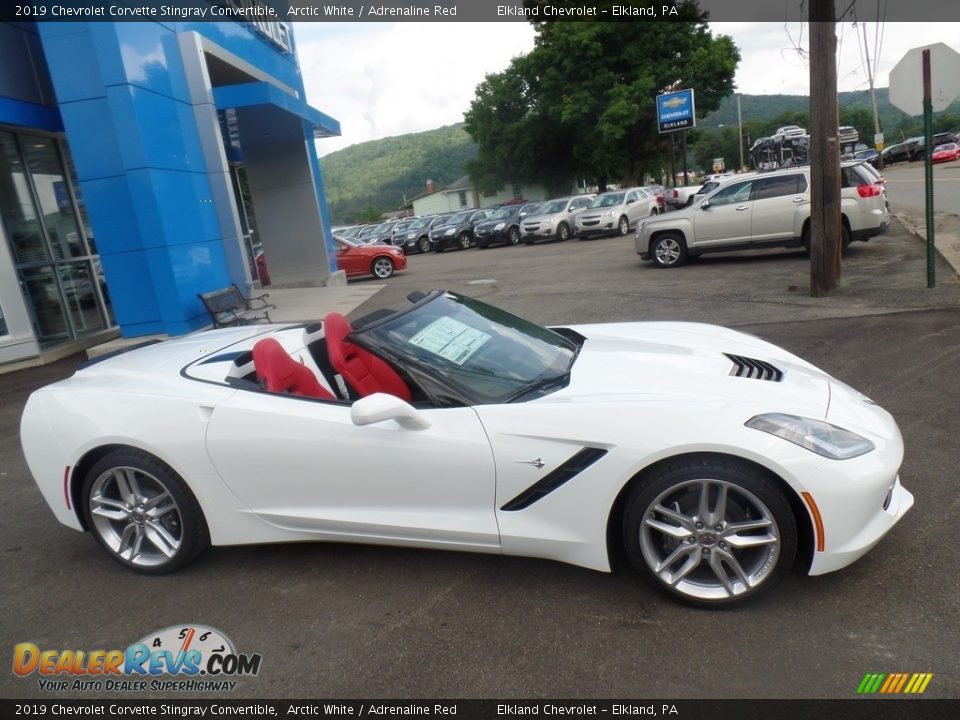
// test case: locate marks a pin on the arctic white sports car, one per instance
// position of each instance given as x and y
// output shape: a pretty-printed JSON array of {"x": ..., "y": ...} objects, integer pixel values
[{"x": 715, "y": 460}]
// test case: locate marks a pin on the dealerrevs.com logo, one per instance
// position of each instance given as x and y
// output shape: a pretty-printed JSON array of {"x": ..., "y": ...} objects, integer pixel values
[{"x": 178, "y": 658}]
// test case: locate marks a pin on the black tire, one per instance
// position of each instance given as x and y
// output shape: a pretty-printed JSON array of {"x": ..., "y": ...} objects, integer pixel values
[
  {"x": 423, "y": 244},
  {"x": 160, "y": 510},
  {"x": 563, "y": 232},
  {"x": 846, "y": 237},
  {"x": 707, "y": 568},
  {"x": 623, "y": 226},
  {"x": 668, "y": 250},
  {"x": 465, "y": 241},
  {"x": 382, "y": 267},
  {"x": 805, "y": 237},
  {"x": 513, "y": 236}
]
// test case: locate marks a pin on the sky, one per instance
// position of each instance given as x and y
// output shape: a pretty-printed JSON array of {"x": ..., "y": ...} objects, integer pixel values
[{"x": 385, "y": 79}]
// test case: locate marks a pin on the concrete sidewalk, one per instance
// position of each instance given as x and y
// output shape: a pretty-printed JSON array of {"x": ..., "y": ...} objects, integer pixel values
[{"x": 946, "y": 230}]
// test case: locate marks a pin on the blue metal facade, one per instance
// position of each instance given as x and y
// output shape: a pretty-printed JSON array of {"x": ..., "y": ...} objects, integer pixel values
[{"x": 125, "y": 104}]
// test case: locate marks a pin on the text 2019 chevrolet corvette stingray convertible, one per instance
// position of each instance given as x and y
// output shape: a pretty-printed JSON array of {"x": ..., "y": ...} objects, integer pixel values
[{"x": 715, "y": 460}]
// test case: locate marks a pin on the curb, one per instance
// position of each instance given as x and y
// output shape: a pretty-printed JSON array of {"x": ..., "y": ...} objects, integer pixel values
[{"x": 946, "y": 239}]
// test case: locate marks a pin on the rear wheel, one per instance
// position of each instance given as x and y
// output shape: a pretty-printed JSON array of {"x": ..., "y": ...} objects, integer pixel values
[
  {"x": 143, "y": 513},
  {"x": 710, "y": 530},
  {"x": 668, "y": 250}
]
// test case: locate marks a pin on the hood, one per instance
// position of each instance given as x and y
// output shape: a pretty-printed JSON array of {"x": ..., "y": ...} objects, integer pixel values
[{"x": 677, "y": 361}]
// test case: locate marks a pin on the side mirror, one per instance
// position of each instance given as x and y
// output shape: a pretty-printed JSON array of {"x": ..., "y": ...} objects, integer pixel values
[
  {"x": 630, "y": 202},
  {"x": 705, "y": 205},
  {"x": 380, "y": 406}
]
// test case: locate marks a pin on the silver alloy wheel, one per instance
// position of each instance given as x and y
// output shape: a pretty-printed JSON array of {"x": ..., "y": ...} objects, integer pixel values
[
  {"x": 667, "y": 251},
  {"x": 135, "y": 516},
  {"x": 423, "y": 245},
  {"x": 709, "y": 539},
  {"x": 563, "y": 232},
  {"x": 624, "y": 227},
  {"x": 513, "y": 236},
  {"x": 383, "y": 267},
  {"x": 465, "y": 241}
]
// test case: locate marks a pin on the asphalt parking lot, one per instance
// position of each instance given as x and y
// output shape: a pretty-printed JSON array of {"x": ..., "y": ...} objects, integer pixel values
[{"x": 353, "y": 621}]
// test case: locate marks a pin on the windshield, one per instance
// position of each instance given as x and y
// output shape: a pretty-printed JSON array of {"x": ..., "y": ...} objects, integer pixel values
[
  {"x": 374, "y": 230},
  {"x": 503, "y": 213},
  {"x": 459, "y": 218},
  {"x": 554, "y": 206},
  {"x": 483, "y": 354},
  {"x": 608, "y": 200}
]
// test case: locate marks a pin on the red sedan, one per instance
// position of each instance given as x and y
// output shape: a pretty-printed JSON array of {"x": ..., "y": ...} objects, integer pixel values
[
  {"x": 357, "y": 260},
  {"x": 946, "y": 153}
]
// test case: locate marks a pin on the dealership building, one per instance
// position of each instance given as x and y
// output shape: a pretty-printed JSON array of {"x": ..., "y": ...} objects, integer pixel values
[{"x": 143, "y": 163}]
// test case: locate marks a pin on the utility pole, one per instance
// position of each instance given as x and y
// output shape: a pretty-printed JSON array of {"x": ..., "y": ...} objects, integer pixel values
[
  {"x": 739, "y": 133},
  {"x": 873, "y": 94},
  {"x": 825, "y": 225}
]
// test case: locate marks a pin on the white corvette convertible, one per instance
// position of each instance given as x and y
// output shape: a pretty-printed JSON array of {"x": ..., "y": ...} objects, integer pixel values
[{"x": 716, "y": 461}]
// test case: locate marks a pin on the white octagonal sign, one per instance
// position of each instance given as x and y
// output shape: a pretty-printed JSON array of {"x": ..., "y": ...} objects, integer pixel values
[{"x": 906, "y": 79}]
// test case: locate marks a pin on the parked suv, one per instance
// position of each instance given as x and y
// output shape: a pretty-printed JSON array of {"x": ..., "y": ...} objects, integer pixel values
[
  {"x": 503, "y": 226},
  {"x": 417, "y": 235},
  {"x": 457, "y": 231},
  {"x": 554, "y": 221},
  {"x": 770, "y": 209},
  {"x": 615, "y": 212}
]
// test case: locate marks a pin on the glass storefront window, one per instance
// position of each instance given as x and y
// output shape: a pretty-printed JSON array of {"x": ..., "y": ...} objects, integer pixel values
[
  {"x": 59, "y": 217},
  {"x": 50, "y": 239},
  {"x": 16, "y": 206}
]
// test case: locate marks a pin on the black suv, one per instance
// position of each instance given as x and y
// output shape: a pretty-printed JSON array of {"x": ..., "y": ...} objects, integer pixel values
[
  {"x": 457, "y": 231},
  {"x": 503, "y": 226}
]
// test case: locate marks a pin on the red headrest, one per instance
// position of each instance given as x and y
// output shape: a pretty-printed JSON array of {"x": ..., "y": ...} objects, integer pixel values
[{"x": 281, "y": 373}]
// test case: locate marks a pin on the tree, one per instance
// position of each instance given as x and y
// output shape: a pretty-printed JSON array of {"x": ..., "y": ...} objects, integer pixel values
[{"x": 587, "y": 95}]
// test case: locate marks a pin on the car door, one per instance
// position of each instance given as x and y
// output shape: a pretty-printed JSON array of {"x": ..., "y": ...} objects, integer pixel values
[
  {"x": 350, "y": 259},
  {"x": 304, "y": 465},
  {"x": 640, "y": 207},
  {"x": 726, "y": 216},
  {"x": 776, "y": 202}
]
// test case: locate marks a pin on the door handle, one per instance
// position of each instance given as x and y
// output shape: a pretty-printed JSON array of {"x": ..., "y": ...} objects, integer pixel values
[
  {"x": 743, "y": 207},
  {"x": 798, "y": 200}
]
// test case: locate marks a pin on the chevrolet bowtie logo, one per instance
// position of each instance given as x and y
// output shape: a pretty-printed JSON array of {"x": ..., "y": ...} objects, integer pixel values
[{"x": 538, "y": 463}]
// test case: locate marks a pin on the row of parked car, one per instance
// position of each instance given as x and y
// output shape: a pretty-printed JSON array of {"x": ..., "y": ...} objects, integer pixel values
[{"x": 582, "y": 216}]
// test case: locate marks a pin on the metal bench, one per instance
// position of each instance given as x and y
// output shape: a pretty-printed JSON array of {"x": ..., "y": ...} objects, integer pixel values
[{"x": 228, "y": 307}]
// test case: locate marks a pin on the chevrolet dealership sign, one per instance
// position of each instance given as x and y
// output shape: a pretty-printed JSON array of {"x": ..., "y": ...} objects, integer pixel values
[{"x": 675, "y": 111}]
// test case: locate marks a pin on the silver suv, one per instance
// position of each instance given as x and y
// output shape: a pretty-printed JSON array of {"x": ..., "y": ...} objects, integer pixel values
[
  {"x": 555, "y": 219},
  {"x": 615, "y": 212},
  {"x": 770, "y": 209}
]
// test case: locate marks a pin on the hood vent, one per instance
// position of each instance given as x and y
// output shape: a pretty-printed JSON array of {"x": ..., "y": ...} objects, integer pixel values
[{"x": 756, "y": 369}]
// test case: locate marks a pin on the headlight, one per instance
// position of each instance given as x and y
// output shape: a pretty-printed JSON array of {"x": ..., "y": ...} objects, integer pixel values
[
  {"x": 451, "y": 231},
  {"x": 639, "y": 232},
  {"x": 500, "y": 226},
  {"x": 816, "y": 436},
  {"x": 411, "y": 236},
  {"x": 608, "y": 215}
]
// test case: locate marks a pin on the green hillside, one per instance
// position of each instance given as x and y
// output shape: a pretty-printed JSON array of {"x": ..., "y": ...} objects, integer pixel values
[
  {"x": 378, "y": 175},
  {"x": 370, "y": 178}
]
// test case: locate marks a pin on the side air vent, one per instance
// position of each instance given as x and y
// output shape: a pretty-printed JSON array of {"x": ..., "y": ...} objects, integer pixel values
[
  {"x": 552, "y": 480},
  {"x": 756, "y": 369}
]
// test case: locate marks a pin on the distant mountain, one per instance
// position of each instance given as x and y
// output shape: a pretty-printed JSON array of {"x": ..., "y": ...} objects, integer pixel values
[
  {"x": 767, "y": 107},
  {"x": 383, "y": 174}
]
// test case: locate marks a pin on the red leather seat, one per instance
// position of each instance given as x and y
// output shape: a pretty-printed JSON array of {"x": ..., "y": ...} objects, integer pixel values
[
  {"x": 281, "y": 373},
  {"x": 364, "y": 372}
]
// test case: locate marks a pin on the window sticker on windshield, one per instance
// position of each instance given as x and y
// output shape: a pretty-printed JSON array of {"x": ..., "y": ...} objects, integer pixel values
[{"x": 450, "y": 339}]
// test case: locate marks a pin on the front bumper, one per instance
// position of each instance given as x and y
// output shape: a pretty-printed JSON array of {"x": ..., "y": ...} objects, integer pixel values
[
  {"x": 591, "y": 228},
  {"x": 855, "y": 545},
  {"x": 490, "y": 238}
]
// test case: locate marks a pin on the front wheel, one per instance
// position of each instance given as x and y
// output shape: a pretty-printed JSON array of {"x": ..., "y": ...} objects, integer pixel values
[
  {"x": 668, "y": 251},
  {"x": 513, "y": 236},
  {"x": 142, "y": 513},
  {"x": 465, "y": 241},
  {"x": 563, "y": 232},
  {"x": 382, "y": 267},
  {"x": 710, "y": 530},
  {"x": 423, "y": 245},
  {"x": 623, "y": 227}
]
